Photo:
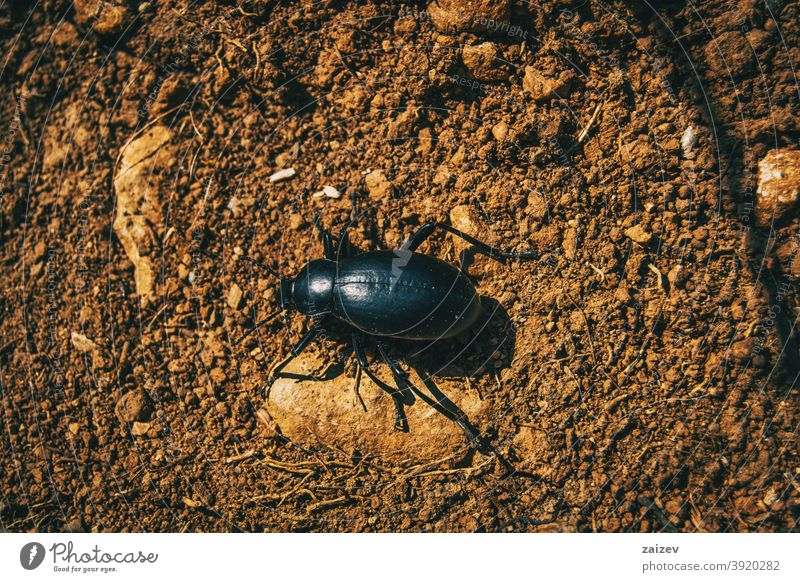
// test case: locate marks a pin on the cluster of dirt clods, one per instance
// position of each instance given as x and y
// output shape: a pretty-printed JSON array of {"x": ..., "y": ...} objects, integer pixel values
[{"x": 639, "y": 376}]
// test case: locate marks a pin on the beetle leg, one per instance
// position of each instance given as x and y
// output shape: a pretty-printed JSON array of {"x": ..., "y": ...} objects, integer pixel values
[
  {"x": 440, "y": 403},
  {"x": 296, "y": 351},
  {"x": 356, "y": 391},
  {"x": 329, "y": 246},
  {"x": 427, "y": 230},
  {"x": 328, "y": 243},
  {"x": 345, "y": 248},
  {"x": 397, "y": 371},
  {"x": 400, "y": 420}
]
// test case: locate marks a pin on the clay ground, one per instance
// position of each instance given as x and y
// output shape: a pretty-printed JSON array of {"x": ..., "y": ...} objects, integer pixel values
[{"x": 641, "y": 378}]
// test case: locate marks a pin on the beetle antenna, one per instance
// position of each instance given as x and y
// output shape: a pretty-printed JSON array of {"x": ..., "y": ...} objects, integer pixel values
[
  {"x": 285, "y": 287},
  {"x": 267, "y": 319},
  {"x": 268, "y": 269},
  {"x": 354, "y": 203}
]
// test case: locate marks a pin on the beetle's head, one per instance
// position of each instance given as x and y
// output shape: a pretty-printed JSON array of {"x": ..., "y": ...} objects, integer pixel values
[
  {"x": 311, "y": 292},
  {"x": 285, "y": 302}
]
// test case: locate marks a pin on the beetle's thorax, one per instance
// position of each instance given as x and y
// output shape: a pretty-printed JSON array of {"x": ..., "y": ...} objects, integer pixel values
[{"x": 312, "y": 289}]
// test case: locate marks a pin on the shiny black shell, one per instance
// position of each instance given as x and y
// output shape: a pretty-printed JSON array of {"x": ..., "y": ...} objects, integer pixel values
[{"x": 404, "y": 294}]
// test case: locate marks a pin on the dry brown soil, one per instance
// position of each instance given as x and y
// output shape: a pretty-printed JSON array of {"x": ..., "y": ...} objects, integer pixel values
[{"x": 641, "y": 379}]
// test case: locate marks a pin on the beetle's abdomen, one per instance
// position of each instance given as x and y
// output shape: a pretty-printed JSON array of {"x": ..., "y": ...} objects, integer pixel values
[{"x": 404, "y": 294}]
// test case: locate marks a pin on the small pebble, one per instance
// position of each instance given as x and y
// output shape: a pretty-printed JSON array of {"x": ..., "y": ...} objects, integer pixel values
[
  {"x": 74, "y": 526},
  {"x": 778, "y": 193},
  {"x": 638, "y": 234},
  {"x": 328, "y": 191},
  {"x": 281, "y": 175},
  {"x": 378, "y": 185},
  {"x": 83, "y": 343},
  {"x": 688, "y": 141},
  {"x": 140, "y": 428},
  {"x": 235, "y": 297}
]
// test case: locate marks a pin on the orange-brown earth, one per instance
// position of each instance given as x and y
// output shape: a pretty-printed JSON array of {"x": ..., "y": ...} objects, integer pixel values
[{"x": 641, "y": 379}]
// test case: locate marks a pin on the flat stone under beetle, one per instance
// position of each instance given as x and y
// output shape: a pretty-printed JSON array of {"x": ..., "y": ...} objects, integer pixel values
[{"x": 387, "y": 294}]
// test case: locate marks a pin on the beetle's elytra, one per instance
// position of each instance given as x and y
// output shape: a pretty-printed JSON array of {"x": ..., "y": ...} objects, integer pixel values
[{"x": 388, "y": 294}]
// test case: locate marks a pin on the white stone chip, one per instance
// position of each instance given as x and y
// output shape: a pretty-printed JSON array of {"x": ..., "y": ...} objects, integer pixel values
[{"x": 281, "y": 175}]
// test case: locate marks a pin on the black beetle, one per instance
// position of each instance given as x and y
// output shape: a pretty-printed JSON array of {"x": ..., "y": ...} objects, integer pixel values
[{"x": 388, "y": 294}]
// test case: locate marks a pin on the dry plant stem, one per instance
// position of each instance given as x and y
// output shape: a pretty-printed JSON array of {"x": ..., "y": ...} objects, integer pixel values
[{"x": 586, "y": 129}]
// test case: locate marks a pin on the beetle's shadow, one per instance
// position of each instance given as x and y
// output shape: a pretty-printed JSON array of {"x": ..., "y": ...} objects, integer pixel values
[{"x": 487, "y": 346}]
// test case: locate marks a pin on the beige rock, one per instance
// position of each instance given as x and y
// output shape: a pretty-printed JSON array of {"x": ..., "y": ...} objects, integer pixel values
[
  {"x": 543, "y": 88},
  {"x": 105, "y": 18},
  {"x": 501, "y": 132},
  {"x": 140, "y": 428},
  {"x": 327, "y": 412},
  {"x": 484, "y": 62},
  {"x": 141, "y": 178},
  {"x": 442, "y": 176},
  {"x": 638, "y": 234},
  {"x": 281, "y": 175},
  {"x": 83, "y": 343},
  {"x": 378, "y": 185},
  {"x": 100, "y": 359},
  {"x": 570, "y": 244},
  {"x": 235, "y": 296},
  {"x": 778, "y": 185},
  {"x": 484, "y": 16}
]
